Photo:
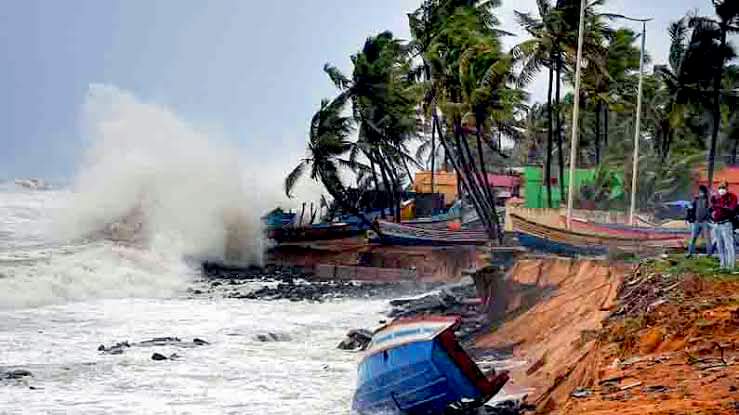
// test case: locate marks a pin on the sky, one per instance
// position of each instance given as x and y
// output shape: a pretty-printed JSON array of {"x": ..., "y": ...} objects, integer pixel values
[{"x": 249, "y": 71}]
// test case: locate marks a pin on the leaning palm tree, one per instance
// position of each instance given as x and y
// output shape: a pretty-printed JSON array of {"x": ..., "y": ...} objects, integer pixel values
[
  {"x": 328, "y": 148},
  {"x": 384, "y": 101}
]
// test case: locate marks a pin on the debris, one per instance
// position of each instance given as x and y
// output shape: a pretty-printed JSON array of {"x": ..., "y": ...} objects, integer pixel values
[
  {"x": 581, "y": 393},
  {"x": 655, "y": 389},
  {"x": 631, "y": 385}
]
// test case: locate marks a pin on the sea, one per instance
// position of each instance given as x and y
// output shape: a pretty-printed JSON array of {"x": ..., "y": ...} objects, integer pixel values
[{"x": 60, "y": 300}]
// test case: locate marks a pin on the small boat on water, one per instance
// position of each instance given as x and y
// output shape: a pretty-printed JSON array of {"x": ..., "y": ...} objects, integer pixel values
[
  {"x": 591, "y": 239},
  {"x": 402, "y": 234},
  {"x": 416, "y": 366}
]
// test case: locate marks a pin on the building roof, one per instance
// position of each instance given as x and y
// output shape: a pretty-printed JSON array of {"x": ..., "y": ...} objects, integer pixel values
[{"x": 728, "y": 174}]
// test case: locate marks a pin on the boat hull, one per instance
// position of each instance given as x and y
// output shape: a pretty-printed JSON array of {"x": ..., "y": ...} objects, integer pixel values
[
  {"x": 539, "y": 237},
  {"x": 399, "y": 234},
  {"x": 420, "y": 370},
  {"x": 313, "y": 233}
]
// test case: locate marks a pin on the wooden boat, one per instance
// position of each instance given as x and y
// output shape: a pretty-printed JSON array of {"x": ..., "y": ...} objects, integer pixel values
[
  {"x": 416, "y": 366},
  {"x": 540, "y": 237},
  {"x": 655, "y": 234},
  {"x": 316, "y": 232},
  {"x": 400, "y": 234}
]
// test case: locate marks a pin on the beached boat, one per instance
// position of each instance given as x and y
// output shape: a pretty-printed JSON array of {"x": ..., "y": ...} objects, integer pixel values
[
  {"x": 401, "y": 234},
  {"x": 615, "y": 229},
  {"x": 598, "y": 240},
  {"x": 321, "y": 231},
  {"x": 416, "y": 366}
]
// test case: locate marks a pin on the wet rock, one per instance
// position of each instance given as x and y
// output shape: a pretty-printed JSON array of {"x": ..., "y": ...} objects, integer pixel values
[
  {"x": 160, "y": 341},
  {"x": 158, "y": 357},
  {"x": 356, "y": 340},
  {"x": 117, "y": 348},
  {"x": 16, "y": 374},
  {"x": 199, "y": 342},
  {"x": 272, "y": 337}
]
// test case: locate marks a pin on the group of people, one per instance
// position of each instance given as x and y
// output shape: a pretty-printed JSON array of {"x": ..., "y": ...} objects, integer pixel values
[{"x": 714, "y": 217}]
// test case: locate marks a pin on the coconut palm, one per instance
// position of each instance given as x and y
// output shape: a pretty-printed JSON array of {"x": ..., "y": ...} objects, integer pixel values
[
  {"x": 725, "y": 23},
  {"x": 328, "y": 150},
  {"x": 384, "y": 107}
]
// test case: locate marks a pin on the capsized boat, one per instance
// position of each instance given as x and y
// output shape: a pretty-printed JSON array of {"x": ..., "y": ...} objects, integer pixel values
[{"x": 416, "y": 366}]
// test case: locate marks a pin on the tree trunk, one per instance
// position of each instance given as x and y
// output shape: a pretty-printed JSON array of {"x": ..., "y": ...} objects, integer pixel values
[
  {"x": 385, "y": 179},
  {"x": 464, "y": 182},
  {"x": 476, "y": 177},
  {"x": 561, "y": 154},
  {"x": 490, "y": 192},
  {"x": 716, "y": 107},
  {"x": 597, "y": 132},
  {"x": 377, "y": 182},
  {"x": 548, "y": 172},
  {"x": 605, "y": 127},
  {"x": 433, "y": 155}
]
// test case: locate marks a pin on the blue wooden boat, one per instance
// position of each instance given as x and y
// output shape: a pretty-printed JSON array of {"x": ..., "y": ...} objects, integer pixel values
[
  {"x": 401, "y": 234},
  {"x": 416, "y": 366}
]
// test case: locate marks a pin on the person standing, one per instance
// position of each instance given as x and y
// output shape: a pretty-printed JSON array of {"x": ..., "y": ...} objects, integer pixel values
[
  {"x": 698, "y": 218},
  {"x": 723, "y": 211}
]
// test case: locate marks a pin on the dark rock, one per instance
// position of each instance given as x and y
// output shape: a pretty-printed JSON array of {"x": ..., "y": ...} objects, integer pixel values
[
  {"x": 157, "y": 356},
  {"x": 356, "y": 340},
  {"x": 200, "y": 342},
  {"x": 272, "y": 337},
  {"x": 16, "y": 374},
  {"x": 160, "y": 341},
  {"x": 117, "y": 348}
]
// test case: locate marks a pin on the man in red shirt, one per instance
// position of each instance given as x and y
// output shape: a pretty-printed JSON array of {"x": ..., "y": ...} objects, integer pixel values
[{"x": 723, "y": 211}]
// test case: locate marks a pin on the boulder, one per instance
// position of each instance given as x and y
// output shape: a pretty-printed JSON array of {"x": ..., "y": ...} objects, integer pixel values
[{"x": 355, "y": 340}]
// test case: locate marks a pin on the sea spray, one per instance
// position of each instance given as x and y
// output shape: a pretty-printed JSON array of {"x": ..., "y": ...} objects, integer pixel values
[
  {"x": 151, "y": 192},
  {"x": 186, "y": 189}
]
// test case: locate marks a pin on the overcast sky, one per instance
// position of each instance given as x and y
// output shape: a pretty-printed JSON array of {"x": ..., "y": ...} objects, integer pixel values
[{"x": 250, "y": 70}]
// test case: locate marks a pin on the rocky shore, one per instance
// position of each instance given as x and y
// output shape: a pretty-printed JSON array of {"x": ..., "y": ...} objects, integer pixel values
[{"x": 278, "y": 282}]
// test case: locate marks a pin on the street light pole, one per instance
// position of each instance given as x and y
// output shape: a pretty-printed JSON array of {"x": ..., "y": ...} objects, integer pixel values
[
  {"x": 637, "y": 133},
  {"x": 575, "y": 115}
]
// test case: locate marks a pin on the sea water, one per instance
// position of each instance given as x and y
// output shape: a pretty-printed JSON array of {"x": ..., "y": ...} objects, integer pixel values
[{"x": 60, "y": 300}]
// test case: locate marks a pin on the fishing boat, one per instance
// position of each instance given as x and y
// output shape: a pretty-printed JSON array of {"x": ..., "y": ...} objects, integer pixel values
[
  {"x": 416, "y": 366},
  {"x": 401, "y": 234},
  {"x": 321, "y": 231},
  {"x": 540, "y": 237},
  {"x": 613, "y": 229}
]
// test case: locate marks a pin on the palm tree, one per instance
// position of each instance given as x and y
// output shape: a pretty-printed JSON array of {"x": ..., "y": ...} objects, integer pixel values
[
  {"x": 457, "y": 41},
  {"x": 602, "y": 78},
  {"x": 727, "y": 13},
  {"x": 383, "y": 102},
  {"x": 328, "y": 147}
]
